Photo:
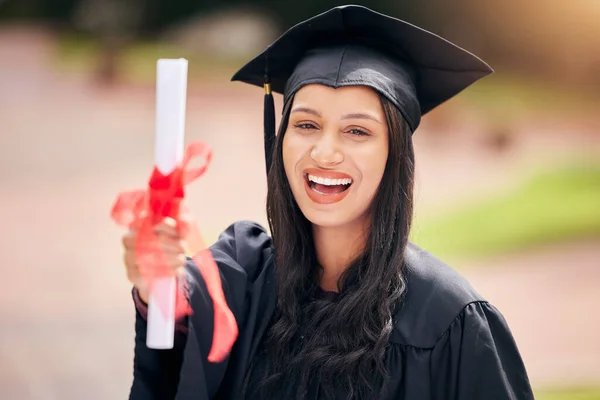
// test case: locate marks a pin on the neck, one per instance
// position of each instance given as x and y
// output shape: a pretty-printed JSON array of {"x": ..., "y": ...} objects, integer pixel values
[{"x": 336, "y": 248}]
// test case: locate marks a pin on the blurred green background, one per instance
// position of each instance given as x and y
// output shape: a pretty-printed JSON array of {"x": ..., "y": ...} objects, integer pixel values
[{"x": 507, "y": 191}]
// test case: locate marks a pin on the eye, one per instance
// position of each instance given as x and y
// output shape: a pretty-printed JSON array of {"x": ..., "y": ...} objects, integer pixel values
[
  {"x": 305, "y": 126},
  {"x": 358, "y": 132}
]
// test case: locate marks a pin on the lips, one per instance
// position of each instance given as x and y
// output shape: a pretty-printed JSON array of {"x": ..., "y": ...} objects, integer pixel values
[{"x": 326, "y": 187}]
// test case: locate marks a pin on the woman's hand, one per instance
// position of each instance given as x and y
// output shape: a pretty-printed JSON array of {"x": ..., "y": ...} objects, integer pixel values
[{"x": 170, "y": 242}]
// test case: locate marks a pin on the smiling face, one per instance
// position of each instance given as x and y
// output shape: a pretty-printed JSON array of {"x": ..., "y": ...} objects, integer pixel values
[{"x": 335, "y": 150}]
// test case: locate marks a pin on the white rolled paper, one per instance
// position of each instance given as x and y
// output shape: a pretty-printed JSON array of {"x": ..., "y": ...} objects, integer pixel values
[{"x": 171, "y": 91}]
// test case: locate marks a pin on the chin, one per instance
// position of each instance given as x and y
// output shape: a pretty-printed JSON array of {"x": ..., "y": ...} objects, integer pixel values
[
  {"x": 330, "y": 218},
  {"x": 325, "y": 221}
]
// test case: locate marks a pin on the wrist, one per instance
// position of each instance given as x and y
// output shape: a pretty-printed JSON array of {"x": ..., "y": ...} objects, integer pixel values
[
  {"x": 143, "y": 295},
  {"x": 141, "y": 303}
]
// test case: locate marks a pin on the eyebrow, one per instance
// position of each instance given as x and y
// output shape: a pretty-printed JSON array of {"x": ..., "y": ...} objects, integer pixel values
[
  {"x": 308, "y": 111},
  {"x": 347, "y": 116},
  {"x": 361, "y": 116}
]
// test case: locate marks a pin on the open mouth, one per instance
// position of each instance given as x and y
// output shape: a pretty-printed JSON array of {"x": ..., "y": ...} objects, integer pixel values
[{"x": 327, "y": 186}]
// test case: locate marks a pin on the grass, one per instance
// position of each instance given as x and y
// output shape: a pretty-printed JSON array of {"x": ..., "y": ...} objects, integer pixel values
[
  {"x": 507, "y": 97},
  {"x": 551, "y": 207},
  {"x": 592, "y": 393}
]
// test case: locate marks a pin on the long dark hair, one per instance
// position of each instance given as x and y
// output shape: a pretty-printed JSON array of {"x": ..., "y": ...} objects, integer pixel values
[{"x": 340, "y": 342}]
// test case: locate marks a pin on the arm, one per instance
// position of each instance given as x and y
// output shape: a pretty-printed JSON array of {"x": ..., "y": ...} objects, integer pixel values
[
  {"x": 155, "y": 372},
  {"x": 240, "y": 255},
  {"x": 478, "y": 359}
]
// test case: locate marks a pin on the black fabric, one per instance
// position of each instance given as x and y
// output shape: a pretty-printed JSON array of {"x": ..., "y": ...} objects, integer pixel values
[
  {"x": 353, "y": 45},
  {"x": 350, "y": 65},
  {"x": 156, "y": 372},
  {"x": 269, "y": 129},
  {"x": 448, "y": 343}
]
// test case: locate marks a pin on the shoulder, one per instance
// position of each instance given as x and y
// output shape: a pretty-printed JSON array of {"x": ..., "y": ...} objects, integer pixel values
[
  {"x": 435, "y": 296},
  {"x": 244, "y": 229},
  {"x": 242, "y": 236},
  {"x": 244, "y": 243}
]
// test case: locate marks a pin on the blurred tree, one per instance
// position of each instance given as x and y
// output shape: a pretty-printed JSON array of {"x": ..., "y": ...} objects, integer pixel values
[
  {"x": 22, "y": 9},
  {"x": 56, "y": 12},
  {"x": 159, "y": 14},
  {"x": 114, "y": 23},
  {"x": 556, "y": 40},
  {"x": 291, "y": 13}
]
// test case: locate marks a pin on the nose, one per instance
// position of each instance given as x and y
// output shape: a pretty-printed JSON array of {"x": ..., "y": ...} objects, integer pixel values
[{"x": 326, "y": 152}]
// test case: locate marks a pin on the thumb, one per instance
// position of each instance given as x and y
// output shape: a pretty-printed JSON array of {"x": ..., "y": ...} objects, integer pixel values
[
  {"x": 183, "y": 222},
  {"x": 189, "y": 230}
]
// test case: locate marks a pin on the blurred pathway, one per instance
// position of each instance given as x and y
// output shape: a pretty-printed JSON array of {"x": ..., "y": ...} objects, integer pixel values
[
  {"x": 550, "y": 299},
  {"x": 67, "y": 148}
]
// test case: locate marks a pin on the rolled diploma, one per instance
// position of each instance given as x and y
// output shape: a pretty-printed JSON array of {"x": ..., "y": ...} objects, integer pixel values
[{"x": 171, "y": 90}]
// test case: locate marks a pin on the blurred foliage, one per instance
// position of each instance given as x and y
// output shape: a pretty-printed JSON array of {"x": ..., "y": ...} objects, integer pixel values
[
  {"x": 592, "y": 393},
  {"x": 555, "y": 40},
  {"x": 79, "y": 54},
  {"x": 502, "y": 99},
  {"x": 160, "y": 14},
  {"x": 505, "y": 98},
  {"x": 551, "y": 207}
]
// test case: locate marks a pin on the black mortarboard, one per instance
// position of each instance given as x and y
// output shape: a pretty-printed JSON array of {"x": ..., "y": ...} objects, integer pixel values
[{"x": 353, "y": 45}]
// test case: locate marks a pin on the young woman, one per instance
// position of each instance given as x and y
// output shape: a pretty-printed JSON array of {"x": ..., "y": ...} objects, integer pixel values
[{"x": 337, "y": 304}]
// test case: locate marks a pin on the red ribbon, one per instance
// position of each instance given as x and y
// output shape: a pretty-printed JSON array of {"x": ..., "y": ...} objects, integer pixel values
[{"x": 163, "y": 199}]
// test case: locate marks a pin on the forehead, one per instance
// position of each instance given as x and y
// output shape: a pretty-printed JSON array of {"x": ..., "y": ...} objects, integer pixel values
[{"x": 345, "y": 98}]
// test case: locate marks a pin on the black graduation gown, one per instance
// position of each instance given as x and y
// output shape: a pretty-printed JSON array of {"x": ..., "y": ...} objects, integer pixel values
[{"x": 448, "y": 342}]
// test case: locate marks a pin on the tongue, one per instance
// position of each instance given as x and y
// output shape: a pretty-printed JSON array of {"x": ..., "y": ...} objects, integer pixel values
[{"x": 327, "y": 189}]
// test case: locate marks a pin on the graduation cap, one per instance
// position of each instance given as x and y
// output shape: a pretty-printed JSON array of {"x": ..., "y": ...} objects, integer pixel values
[{"x": 353, "y": 45}]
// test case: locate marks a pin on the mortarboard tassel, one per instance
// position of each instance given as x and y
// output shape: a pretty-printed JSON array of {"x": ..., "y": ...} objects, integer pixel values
[{"x": 269, "y": 123}]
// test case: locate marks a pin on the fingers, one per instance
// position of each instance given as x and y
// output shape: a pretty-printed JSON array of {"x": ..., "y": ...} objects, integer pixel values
[
  {"x": 166, "y": 232},
  {"x": 175, "y": 264},
  {"x": 167, "y": 228},
  {"x": 169, "y": 245},
  {"x": 173, "y": 251},
  {"x": 131, "y": 269},
  {"x": 128, "y": 239},
  {"x": 186, "y": 219}
]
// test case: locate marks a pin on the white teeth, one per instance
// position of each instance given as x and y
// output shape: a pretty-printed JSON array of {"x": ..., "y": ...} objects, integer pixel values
[{"x": 329, "y": 182}]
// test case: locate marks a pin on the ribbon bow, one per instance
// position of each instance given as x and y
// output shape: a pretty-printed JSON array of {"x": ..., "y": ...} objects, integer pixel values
[{"x": 162, "y": 199}]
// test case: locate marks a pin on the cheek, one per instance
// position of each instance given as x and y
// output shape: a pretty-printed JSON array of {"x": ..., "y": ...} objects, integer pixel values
[
  {"x": 288, "y": 151},
  {"x": 382, "y": 158},
  {"x": 382, "y": 163},
  {"x": 285, "y": 152},
  {"x": 292, "y": 150},
  {"x": 373, "y": 165}
]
